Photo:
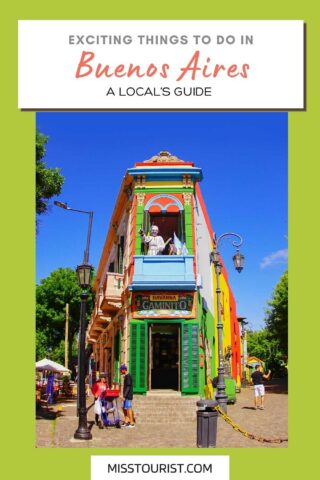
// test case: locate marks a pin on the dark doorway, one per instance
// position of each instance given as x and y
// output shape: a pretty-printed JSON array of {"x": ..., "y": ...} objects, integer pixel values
[{"x": 164, "y": 358}]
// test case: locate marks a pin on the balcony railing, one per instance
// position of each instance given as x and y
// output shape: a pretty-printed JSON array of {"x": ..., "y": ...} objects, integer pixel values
[{"x": 159, "y": 272}]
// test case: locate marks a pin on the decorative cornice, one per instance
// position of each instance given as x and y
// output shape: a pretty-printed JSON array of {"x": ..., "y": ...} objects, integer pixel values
[
  {"x": 164, "y": 157},
  {"x": 187, "y": 181},
  {"x": 141, "y": 181},
  {"x": 164, "y": 172}
]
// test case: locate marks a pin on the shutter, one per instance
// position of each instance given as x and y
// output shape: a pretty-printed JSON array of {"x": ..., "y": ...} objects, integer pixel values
[
  {"x": 120, "y": 254},
  {"x": 190, "y": 358},
  {"x": 138, "y": 356},
  {"x": 117, "y": 340}
]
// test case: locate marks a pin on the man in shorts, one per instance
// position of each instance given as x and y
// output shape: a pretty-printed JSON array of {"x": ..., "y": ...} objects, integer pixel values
[
  {"x": 127, "y": 397},
  {"x": 257, "y": 380}
]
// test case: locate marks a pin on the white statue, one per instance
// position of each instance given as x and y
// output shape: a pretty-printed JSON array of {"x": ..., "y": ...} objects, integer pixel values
[{"x": 154, "y": 241}]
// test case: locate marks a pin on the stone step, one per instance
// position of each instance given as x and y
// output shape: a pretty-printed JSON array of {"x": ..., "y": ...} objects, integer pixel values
[
  {"x": 166, "y": 403},
  {"x": 165, "y": 420},
  {"x": 165, "y": 407},
  {"x": 168, "y": 398}
]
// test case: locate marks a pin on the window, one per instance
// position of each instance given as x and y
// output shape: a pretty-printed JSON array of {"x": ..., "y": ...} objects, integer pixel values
[
  {"x": 168, "y": 223},
  {"x": 165, "y": 211}
]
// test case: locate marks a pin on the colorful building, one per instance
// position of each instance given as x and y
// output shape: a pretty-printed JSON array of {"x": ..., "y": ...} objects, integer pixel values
[{"x": 157, "y": 313}]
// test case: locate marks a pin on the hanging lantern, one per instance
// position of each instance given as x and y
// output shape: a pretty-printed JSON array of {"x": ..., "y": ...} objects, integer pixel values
[{"x": 238, "y": 260}]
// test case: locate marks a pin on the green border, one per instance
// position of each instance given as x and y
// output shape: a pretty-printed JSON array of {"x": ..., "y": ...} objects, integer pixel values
[{"x": 18, "y": 259}]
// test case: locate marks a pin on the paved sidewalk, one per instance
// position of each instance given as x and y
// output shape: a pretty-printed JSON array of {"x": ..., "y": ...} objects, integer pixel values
[{"x": 58, "y": 430}]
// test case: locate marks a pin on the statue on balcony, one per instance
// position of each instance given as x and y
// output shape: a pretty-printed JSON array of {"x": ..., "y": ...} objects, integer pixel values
[{"x": 154, "y": 241}]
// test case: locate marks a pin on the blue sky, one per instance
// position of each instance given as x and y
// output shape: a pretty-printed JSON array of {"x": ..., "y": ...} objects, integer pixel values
[{"x": 244, "y": 161}]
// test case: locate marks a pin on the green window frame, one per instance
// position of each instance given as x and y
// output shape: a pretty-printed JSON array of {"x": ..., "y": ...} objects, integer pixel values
[{"x": 117, "y": 351}]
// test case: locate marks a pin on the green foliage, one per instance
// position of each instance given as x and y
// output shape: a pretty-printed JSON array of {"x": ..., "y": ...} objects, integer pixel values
[
  {"x": 41, "y": 344},
  {"x": 52, "y": 295},
  {"x": 57, "y": 354},
  {"x": 271, "y": 343},
  {"x": 49, "y": 181},
  {"x": 262, "y": 345},
  {"x": 277, "y": 314}
]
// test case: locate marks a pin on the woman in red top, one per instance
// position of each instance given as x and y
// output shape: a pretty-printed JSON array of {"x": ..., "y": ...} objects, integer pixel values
[{"x": 98, "y": 390}]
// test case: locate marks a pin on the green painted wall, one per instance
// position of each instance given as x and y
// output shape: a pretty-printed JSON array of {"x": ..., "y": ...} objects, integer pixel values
[
  {"x": 206, "y": 326},
  {"x": 139, "y": 224},
  {"x": 188, "y": 228}
]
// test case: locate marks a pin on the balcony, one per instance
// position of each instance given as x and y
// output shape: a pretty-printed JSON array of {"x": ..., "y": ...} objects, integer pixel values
[
  {"x": 113, "y": 288},
  {"x": 98, "y": 323},
  {"x": 163, "y": 272}
]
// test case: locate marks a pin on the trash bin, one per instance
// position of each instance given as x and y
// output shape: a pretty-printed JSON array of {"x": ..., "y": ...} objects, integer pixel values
[
  {"x": 207, "y": 419},
  {"x": 231, "y": 389}
]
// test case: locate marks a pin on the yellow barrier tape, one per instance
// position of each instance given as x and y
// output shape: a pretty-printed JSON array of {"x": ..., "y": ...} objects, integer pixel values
[{"x": 252, "y": 436}]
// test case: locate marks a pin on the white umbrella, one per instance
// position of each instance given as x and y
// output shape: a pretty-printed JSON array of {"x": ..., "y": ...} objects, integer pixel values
[{"x": 46, "y": 364}]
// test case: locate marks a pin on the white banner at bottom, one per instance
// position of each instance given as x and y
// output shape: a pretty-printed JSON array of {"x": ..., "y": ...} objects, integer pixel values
[{"x": 134, "y": 467}]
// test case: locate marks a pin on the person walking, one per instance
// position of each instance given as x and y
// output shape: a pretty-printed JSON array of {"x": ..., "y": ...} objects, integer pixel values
[
  {"x": 98, "y": 391},
  {"x": 127, "y": 397},
  {"x": 259, "y": 391}
]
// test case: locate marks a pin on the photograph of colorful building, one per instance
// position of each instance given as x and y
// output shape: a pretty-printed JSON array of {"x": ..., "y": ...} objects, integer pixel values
[
  {"x": 157, "y": 291},
  {"x": 155, "y": 288}
]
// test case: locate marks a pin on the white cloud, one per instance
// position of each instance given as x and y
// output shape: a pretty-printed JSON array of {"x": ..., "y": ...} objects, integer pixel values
[{"x": 275, "y": 258}]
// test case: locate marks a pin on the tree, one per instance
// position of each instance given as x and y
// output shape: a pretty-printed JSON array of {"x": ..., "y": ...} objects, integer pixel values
[
  {"x": 262, "y": 345},
  {"x": 52, "y": 295},
  {"x": 271, "y": 343},
  {"x": 49, "y": 181},
  {"x": 277, "y": 314}
]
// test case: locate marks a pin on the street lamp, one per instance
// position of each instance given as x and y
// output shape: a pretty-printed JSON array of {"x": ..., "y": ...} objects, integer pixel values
[
  {"x": 84, "y": 272},
  {"x": 243, "y": 323},
  {"x": 238, "y": 260},
  {"x": 65, "y": 206}
]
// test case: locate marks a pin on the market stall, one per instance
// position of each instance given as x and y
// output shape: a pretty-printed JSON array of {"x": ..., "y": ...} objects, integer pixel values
[{"x": 50, "y": 380}]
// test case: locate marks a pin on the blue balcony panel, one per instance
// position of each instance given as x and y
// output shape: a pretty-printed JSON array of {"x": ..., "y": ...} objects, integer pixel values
[{"x": 163, "y": 272}]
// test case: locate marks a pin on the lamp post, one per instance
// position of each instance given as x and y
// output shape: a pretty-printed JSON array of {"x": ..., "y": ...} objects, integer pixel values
[
  {"x": 84, "y": 280},
  {"x": 238, "y": 260},
  {"x": 243, "y": 323}
]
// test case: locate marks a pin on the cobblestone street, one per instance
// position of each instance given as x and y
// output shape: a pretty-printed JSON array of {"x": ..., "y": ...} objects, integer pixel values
[{"x": 56, "y": 430}]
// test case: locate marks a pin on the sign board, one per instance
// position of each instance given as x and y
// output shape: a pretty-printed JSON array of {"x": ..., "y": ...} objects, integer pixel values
[{"x": 163, "y": 305}]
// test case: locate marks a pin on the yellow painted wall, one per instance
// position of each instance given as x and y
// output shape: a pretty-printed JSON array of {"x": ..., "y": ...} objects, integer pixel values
[{"x": 226, "y": 313}]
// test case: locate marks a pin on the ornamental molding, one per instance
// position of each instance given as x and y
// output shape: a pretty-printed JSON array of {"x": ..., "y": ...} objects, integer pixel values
[
  {"x": 141, "y": 181},
  {"x": 140, "y": 199},
  {"x": 187, "y": 197},
  {"x": 164, "y": 157},
  {"x": 187, "y": 181}
]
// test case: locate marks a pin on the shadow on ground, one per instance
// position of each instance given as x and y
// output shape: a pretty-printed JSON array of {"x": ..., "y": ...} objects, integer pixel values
[
  {"x": 43, "y": 413},
  {"x": 277, "y": 385}
]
